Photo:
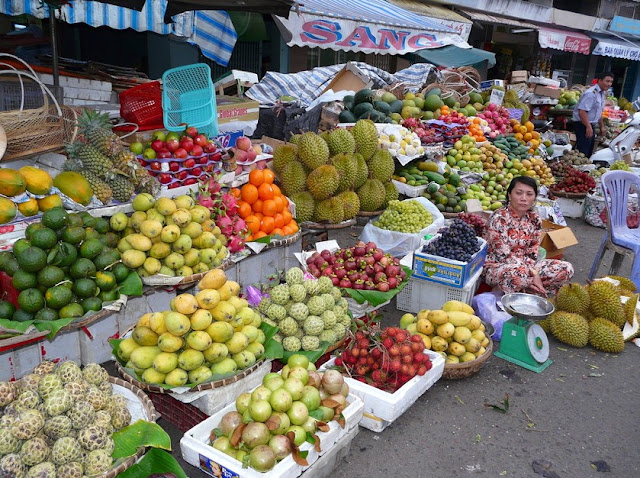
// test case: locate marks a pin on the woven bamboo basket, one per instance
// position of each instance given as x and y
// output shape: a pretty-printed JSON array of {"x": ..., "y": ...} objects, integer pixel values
[
  {"x": 325, "y": 226},
  {"x": 157, "y": 280},
  {"x": 286, "y": 241},
  {"x": 456, "y": 371}
]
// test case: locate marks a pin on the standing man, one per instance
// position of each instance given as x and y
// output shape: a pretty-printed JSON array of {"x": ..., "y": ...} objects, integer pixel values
[{"x": 588, "y": 112}]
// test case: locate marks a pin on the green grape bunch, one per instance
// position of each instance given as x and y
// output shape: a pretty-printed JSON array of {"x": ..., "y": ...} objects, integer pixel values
[{"x": 404, "y": 216}]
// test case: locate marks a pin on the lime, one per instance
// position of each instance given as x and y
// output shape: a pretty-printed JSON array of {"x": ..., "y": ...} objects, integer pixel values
[
  {"x": 102, "y": 225},
  {"x": 106, "y": 259},
  {"x": 72, "y": 310},
  {"x": 44, "y": 238},
  {"x": 46, "y": 314},
  {"x": 21, "y": 315},
  {"x": 32, "y": 259},
  {"x": 121, "y": 272},
  {"x": 23, "y": 280},
  {"x": 55, "y": 218},
  {"x": 20, "y": 245},
  {"x": 31, "y": 300},
  {"x": 50, "y": 276},
  {"x": 31, "y": 228},
  {"x": 7, "y": 310},
  {"x": 92, "y": 303},
  {"x": 5, "y": 257},
  {"x": 85, "y": 288},
  {"x": 59, "y": 296},
  {"x": 110, "y": 239},
  {"x": 73, "y": 234},
  {"x": 88, "y": 219},
  {"x": 74, "y": 219},
  {"x": 91, "y": 248},
  {"x": 82, "y": 268},
  {"x": 11, "y": 266},
  {"x": 105, "y": 280},
  {"x": 63, "y": 255},
  {"x": 91, "y": 233},
  {"x": 109, "y": 295}
]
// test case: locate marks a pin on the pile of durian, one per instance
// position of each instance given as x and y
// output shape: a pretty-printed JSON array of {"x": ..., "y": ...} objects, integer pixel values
[
  {"x": 602, "y": 314},
  {"x": 333, "y": 175},
  {"x": 58, "y": 421}
]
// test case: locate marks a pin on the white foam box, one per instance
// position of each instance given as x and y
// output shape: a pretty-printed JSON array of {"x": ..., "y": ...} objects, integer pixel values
[
  {"x": 382, "y": 408},
  {"x": 358, "y": 310},
  {"x": 17, "y": 362},
  {"x": 64, "y": 346},
  {"x": 409, "y": 191},
  {"x": 419, "y": 294},
  {"x": 258, "y": 267},
  {"x": 94, "y": 339},
  {"x": 573, "y": 208},
  {"x": 196, "y": 450}
]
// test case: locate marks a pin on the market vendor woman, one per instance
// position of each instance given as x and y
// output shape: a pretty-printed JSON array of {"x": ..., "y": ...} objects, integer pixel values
[{"x": 513, "y": 239}]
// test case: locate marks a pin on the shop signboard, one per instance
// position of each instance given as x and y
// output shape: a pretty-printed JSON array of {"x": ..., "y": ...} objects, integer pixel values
[
  {"x": 625, "y": 25},
  {"x": 616, "y": 49},
  {"x": 564, "y": 40}
]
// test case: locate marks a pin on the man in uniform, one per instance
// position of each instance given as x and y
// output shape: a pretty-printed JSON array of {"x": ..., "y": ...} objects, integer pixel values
[{"x": 588, "y": 113}]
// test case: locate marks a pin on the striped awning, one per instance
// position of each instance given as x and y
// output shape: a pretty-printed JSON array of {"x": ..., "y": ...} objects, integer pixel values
[
  {"x": 497, "y": 19},
  {"x": 368, "y": 26},
  {"x": 211, "y": 30}
]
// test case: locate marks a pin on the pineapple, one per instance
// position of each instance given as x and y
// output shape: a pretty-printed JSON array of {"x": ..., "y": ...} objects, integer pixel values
[
  {"x": 122, "y": 188},
  {"x": 127, "y": 162},
  {"x": 101, "y": 189},
  {"x": 92, "y": 159},
  {"x": 148, "y": 184},
  {"x": 96, "y": 128}
]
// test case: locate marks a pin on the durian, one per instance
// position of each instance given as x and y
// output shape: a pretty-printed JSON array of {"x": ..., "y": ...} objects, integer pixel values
[
  {"x": 362, "y": 171},
  {"x": 282, "y": 155},
  {"x": 346, "y": 166},
  {"x": 350, "y": 203},
  {"x": 365, "y": 135},
  {"x": 330, "y": 210},
  {"x": 323, "y": 182},
  {"x": 305, "y": 206},
  {"x": 293, "y": 178},
  {"x": 571, "y": 329},
  {"x": 381, "y": 165},
  {"x": 605, "y": 336},
  {"x": 313, "y": 150},
  {"x": 605, "y": 302},
  {"x": 391, "y": 193},
  {"x": 625, "y": 283},
  {"x": 340, "y": 141},
  {"x": 573, "y": 298},
  {"x": 295, "y": 138},
  {"x": 371, "y": 195},
  {"x": 631, "y": 328}
]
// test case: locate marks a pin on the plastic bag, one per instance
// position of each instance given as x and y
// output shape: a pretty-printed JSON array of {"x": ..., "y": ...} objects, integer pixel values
[
  {"x": 399, "y": 244},
  {"x": 487, "y": 308}
]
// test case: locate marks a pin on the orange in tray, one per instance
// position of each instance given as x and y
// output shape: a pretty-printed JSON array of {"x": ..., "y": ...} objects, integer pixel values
[{"x": 263, "y": 207}]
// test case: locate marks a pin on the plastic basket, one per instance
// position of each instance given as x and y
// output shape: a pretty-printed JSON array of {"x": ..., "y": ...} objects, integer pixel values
[
  {"x": 188, "y": 98},
  {"x": 142, "y": 104}
]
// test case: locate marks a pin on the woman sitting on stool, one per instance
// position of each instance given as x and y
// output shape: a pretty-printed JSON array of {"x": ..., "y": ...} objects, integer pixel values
[{"x": 513, "y": 239}]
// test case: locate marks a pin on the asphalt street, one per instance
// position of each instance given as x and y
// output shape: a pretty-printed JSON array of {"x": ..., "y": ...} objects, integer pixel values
[{"x": 576, "y": 419}]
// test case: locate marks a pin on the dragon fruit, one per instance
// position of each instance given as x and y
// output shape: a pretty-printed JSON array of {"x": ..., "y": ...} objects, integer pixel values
[{"x": 236, "y": 244}]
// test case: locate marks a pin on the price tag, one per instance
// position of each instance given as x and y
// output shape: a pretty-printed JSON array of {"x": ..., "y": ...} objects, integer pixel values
[{"x": 497, "y": 96}]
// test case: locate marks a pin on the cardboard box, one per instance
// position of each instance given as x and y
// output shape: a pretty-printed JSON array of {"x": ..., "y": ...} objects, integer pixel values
[
  {"x": 350, "y": 78},
  {"x": 519, "y": 76},
  {"x": 447, "y": 271},
  {"x": 555, "y": 238},
  {"x": 485, "y": 85},
  {"x": 551, "y": 92},
  {"x": 232, "y": 108},
  {"x": 541, "y": 80},
  {"x": 235, "y": 82}
]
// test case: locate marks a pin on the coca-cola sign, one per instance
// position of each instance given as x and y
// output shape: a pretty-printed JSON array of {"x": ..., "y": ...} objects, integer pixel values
[
  {"x": 567, "y": 41},
  {"x": 577, "y": 45}
]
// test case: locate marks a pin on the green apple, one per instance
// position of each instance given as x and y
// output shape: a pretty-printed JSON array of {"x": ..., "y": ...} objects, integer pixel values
[
  {"x": 161, "y": 135},
  {"x": 136, "y": 148}
]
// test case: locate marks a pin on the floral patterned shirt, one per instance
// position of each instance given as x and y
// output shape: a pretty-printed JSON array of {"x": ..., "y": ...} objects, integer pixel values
[{"x": 513, "y": 239}]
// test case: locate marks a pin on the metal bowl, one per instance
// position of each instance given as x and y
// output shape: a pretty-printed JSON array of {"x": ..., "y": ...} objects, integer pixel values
[{"x": 527, "y": 306}]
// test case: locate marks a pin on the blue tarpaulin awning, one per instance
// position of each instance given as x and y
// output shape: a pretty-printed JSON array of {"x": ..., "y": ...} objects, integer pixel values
[{"x": 452, "y": 56}]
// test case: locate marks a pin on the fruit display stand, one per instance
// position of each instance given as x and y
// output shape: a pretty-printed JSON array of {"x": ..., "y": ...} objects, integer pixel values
[
  {"x": 325, "y": 226},
  {"x": 382, "y": 408},
  {"x": 196, "y": 450}
]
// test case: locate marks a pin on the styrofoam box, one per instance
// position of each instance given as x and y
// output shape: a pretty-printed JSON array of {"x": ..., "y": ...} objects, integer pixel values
[
  {"x": 256, "y": 267},
  {"x": 573, "y": 208},
  {"x": 94, "y": 339},
  {"x": 64, "y": 346},
  {"x": 196, "y": 450},
  {"x": 419, "y": 294},
  {"x": 409, "y": 191},
  {"x": 16, "y": 363},
  {"x": 358, "y": 310},
  {"x": 383, "y": 408}
]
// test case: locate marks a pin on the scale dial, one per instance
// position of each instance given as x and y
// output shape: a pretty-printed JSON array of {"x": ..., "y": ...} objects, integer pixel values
[{"x": 538, "y": 343}]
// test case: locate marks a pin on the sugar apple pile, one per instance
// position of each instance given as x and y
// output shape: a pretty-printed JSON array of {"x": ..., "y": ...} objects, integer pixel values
[
  {"x": 307, "y": 311},
  {"x": 58, "y": 421}
]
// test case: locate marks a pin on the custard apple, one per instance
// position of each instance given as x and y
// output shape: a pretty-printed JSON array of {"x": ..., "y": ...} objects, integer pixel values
[
  {"x": 116, "y": 401},
  {"x": 288, "y": 306},
  {"x": 93, "y": 437},
  {"x": 313, "y": 325},
  {"x": 8, "y": 419},
  {"x": 264, "y": 305},
  {"x": 82, "y": 414},
  {"x": 294, "y": 276},
  {"x": 267, "y": 320},
  {"x": 299, "y": 311},
  {"x": 49, "y": 383},
  {"x": 28, "y": 382},
  {"x": 44, "y": 368},
  {"x": 72, "y": 469},
  {"x": 57, "y": 427},
  {"x": 69, "y": 371},
  {"x": 8, "y": 393},
  {"x": 42, "y": 470},
  {"x": 288, "y": 327},
  {"x": 11, "y": 465},
  {"x": 64, "y": 450},
  {"x": 325, "y": 284},
  {"x": 345, "y": 320},
  {"x": 297, "y": 292},
  {"x": 77, "y": 390},
  {"x": 329, "y": 318},
  {"x": 311, "y": 286},
  {"x": 278, "y": 338},
  {"x": 106, "y": 387},
  {"x": 96, "y": 398},
  {"x": 58, "y": 402},
  {"x": 316, "y": 305},
  {"x": 30, "y": 421},
  {"x": 300, "y": 333},
  {"x": 329, "y": 301},
  {"x": 34, "y": 451},
  {"x": 280, "y": 294},
  {"x": 8, "y": 443},
  {"x": 336, "y": 293},
  {"x": 120, "y": 417},
  {"x": 97, "y": 462},
  {"x": 28, "y": 399},
  {"x": 310, "y": 342},
  {"x": 94, "y": 373},
  {"x": 340, "y": 331},
  {"x": 291, "y": 344},
  {"x": 328, "y": 335},
  {"x": 276, "y": 312},
  {"x": 103, "y": 419}
]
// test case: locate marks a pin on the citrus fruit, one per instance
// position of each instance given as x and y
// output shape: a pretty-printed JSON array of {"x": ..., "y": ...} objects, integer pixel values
[
  {"x": 84, "y": 288},
  {"x": 31, "y": 300},
  {"x": 88, "y": 219},
  {"x": 50, "y": 276},
  {"x": 21, "y": 315},
  {"x": 32, "y": 259},
  {"x": 109, "y": 295},
  {"x": 91, "y": 248},
  {"x": 92, "y": 303},
  {"x": 102, "y": 225},
  {"x": 46, "y": 314},
  {"x": 105, "y": 280},
  {"x": 59, "y": 296},
  {"x": 73, "y": 234},
  {"x": 44, "y": 238},
  {"x": 55, "y": 218},
  {"x": 7, "y": 309},
  {"x": 82, "y": 268},
  {"x": 11, "y": 266},
  {"x": 106, "y": 259},
  {"x": 71, "y": 310},
  {"x": 23, "y": 280},
  {"x": 20, "y": 245},
  {"x": 74, "y": 219},
  {"x": 121, "y": 272},
  {"x": 63, "y": 255},
  {"x": 31, "y": 228}
]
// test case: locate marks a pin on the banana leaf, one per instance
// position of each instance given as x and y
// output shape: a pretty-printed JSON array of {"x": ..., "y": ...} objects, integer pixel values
[
  {"x": 154, "y": 461},
  {"x": 375, "y": 297},
  {"x": 132, "y": 285},
  {"x": 141, "y": 433}
]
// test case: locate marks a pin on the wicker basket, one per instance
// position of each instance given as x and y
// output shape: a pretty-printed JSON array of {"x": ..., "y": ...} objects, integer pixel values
[
  {"x": 325, "y": 226},
  {"x": 287, "y": 241},
  {"x": 158, "y": 280},
  {"x": 456, "y": 371}
]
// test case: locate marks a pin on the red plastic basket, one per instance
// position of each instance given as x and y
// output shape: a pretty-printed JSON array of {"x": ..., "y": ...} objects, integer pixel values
[
  {"x": 142, "y": 104},
  {"x": 7, "y": 291}
]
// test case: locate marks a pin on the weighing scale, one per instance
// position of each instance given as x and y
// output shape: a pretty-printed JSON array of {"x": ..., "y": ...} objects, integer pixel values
[{"x": 523, "y": 341}]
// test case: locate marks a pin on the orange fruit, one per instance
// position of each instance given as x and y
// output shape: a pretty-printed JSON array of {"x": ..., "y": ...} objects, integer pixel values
[
  {"x": 279, "y": 203},
  {"x": 285, "y": 203},
  {"x": 267, "y": 225},
  {"x": 277, "y": 232},
  {"x": 257, "y": 206},
  {"x": 244, "y": 209},
  {"x": 253, "y": 223},
  {"x": 256, "y": 177},
  {"x": 265, "y": 191},
  {"x": 287, "y": 230},
  {"x": 249, "y": 193},
  {"x": 278, "y": 220},
  {"x": 286, "y": 216},
  {"x": 258, "y": 235},
  {"x": 294, "y": 225},
  {"x": 235, "y": 192},
  {"x": 269, "y": 176},
  {"x": 249, "y": 238},
  {"x": 269, "y": 208},
  {"x": 276, "y": 190}
]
